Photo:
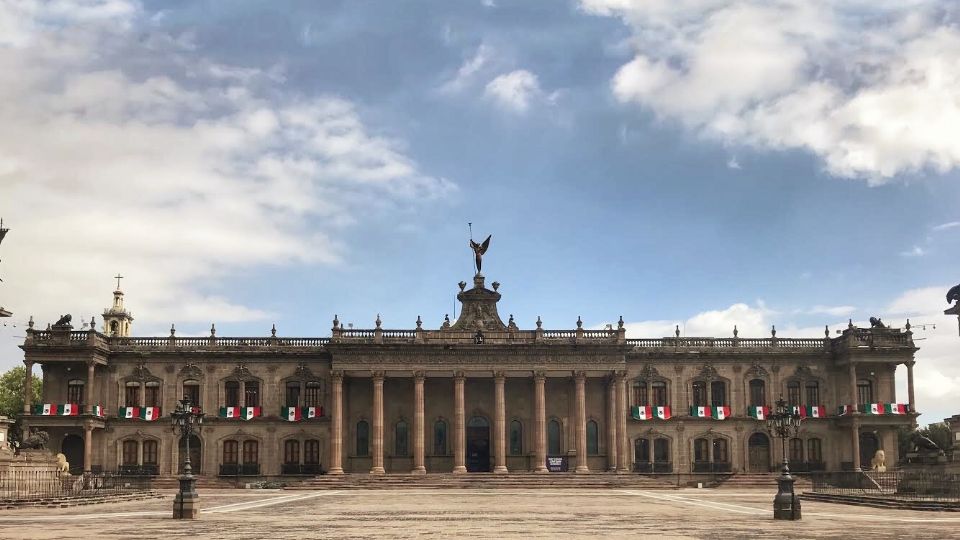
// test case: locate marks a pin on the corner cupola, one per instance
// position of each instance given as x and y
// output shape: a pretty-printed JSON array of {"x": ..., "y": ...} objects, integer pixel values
[{"x": 117, "y": 321}]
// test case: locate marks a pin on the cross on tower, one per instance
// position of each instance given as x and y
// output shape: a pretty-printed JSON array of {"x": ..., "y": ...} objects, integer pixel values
[{"x": 118, "y": 277}]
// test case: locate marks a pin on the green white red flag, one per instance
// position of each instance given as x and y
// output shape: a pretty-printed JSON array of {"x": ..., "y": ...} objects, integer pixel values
[
  {"x": 68, "y": 409},
  {"x": 816, "y": 411},
  {"x": 249, "y": 413},
  {"x": 312, "y": 412},
  {"x": 758, "y": 412},
  {"x": 98, "y": 410},
  {"x": 896, "y": 408},
  {"x": 229, "y": 412},
  {"x": 149, "y": 413},
  {"x": 290, "y": 414},
  {"x": 642, "y": 412},
  {"x": 701, "y": 412},
  {"x": 720, "y": 413},
  {"x": 873, "y": 408},
  {"x": 129, "y": 412},
  {"x": 844, "y": 409},
  {"x": 662, "y": 412}
]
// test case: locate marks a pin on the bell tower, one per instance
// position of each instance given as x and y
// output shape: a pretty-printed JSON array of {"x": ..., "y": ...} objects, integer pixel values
[{"x": 117, "y": 321}]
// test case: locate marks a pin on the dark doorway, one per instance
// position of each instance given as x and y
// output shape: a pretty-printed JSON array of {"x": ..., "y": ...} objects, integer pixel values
[
  {"x": 196, "y": 451},
  {"x": 478, "y": 445},
  {"x": 72, "y": 448},
  {"x": 759, "y": 453},
  {"x": 868, "y": 447}
]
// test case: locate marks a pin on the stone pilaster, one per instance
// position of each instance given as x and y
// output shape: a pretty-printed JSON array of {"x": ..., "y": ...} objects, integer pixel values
[
  {"x": 499, "y": 423},
  {"x": 377, "y": 423},
  {"x": 580, "y": 379},
  {"x": 910, "y": 395},
  {"x": 87, "y": 446},
  {"x": 540, "y": 421},
  {"x": 336, "y": 425},
  {"x": 855, "y": 442},
  {"x": 91, "y": 389},
  {"x": 459, "y": 429},
  {"x": 27, "y": 387},
  {"x": 418, "y": 465},
  {"x": 623, "y": 441},
  {"x": 852, "y": 375},
  {"x": 612, "y": 424}
]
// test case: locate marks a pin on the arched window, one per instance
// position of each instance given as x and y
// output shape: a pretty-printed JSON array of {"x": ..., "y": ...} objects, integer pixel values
[
  {"x": 639, "y": 393},
  {"x": 150, "y": 453},
  {"x": 554, "y": 446},
  {"x": 796, "y": 450},
  {"x": 701, "y": 450},
  {"x": 720, "y": 454},
  {"x": 251, "y": 454},
  {"x": 231, "y": 452},
  {"x": 516, "y": 438},
  {"x": 440, "y": 438},
  {"x": 191, "y": 391},
  {"x": 312, "y": 397},
  {"x": 291, "y": 452},
  {"x": 718, "y": 393},
  {"x": 75, "y": 391},
  {"x": 699, "y": 394},
  {"x": 400, "y": 439},
  {"x": 641, "y": 451},
  {"x": 251, "y": 394},
  {"x": 363, "y": 438},
  {"x": 131, "y": 394},
  {"x": 231, "y": 390},
  {"x": 311, "y": 452},
  {"x": 152, "y": 394},
  {"x": 758, "y": 392},
  {"x": 659, "y": 391},
  {"x": 114, "y": 328},
  {"x": 814, "y": 452},
  {"x": 293, "y": 394},
  {"x": 813, "y": 393},
  {"x": 793, "y": 393},
  {"x": 661, "y": 450},
  {"x": 593, "y": 438},
  {"x": 864, "y": 392},
  {"x": 130, "y": 450}
]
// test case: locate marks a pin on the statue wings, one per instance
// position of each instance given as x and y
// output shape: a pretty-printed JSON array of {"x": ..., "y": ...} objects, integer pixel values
[
  {"x": 952, "y": 294},
  {"x": 481, "y": 248}
]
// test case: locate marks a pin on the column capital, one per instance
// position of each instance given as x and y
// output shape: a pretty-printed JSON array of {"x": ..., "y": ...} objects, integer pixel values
[
  {"x": 378, "y": 376},
  {"x": 337, "y": 375},
  {"x": 540, "y": 376},
  {"x": 459, "y": 376},
  {"x": 910, "y": 363},
  {"x": 419, "y": 376},
  {"x": 499, "y": 376},
  {"x": 91, "y": 363},
  {"x": 580, "y": 375},
  {"x": 621, "y": 375},
  {"x": 27, "y": 362}
]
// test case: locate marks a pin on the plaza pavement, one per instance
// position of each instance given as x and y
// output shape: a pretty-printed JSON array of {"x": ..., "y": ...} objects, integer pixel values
[{"x": 487, "y": 513}]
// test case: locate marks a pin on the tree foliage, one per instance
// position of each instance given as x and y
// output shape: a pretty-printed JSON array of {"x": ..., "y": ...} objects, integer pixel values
[{"x": 11, "y": 391}]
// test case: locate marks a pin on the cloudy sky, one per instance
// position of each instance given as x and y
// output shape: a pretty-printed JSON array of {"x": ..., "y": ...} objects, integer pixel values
[{"x": 690, "y": 162}]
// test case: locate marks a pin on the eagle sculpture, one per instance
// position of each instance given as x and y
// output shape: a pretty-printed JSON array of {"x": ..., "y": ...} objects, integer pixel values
[
  {"x": 953, "y": 294},
  {"x": 479, "y": 250}
]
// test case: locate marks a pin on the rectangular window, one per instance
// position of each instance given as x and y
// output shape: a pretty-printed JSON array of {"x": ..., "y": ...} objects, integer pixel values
[
  {"x": 150, "y": 452},
  {"x": 230, "y": 452},
  {"x": 659, "y": 394},
  {"x": 293, "y": 394},
  {"x": 640, "y": 394},
  {"x": 312, "y": 396},
  {"x": 232, "y": 391},
  {"x": 814, "y": 451},
  {"x": 250, "y": 453},
  {"x": 720, "y": 451},
  {"x": 75, "y": 392},
  {"x": 291, "y": 452},
  {"x": 251, "y": 394},
  {"x": 700, "y": 450},
  {"x": 131, "y": 395},
  {"x": 311, "y": 452},
  {"x": 191, "y": 391},
  {"x": 864, "y": 392},
  {"x": 661, "y": 451},
  {"x": 699, "y": 394},
  {"x": 718, "y": 393},
  {"x": 758, "y": 394},
  {"x": 130, "y": 449},
  {"x": 152, "y": 395},
  {"x": 813, "y": 393},
  {"x": 796, "y": 450},
  {"x": 793, "y": 394}
]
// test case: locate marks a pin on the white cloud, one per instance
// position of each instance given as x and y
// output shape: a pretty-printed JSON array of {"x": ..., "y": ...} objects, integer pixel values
[
  {"x": 469, "y": 71},
  {"x": 946, "y": 226},
  {"x": 868, "y": 87},
  {"x": 916, "y": 251},
  {"x": 515, "y": 91},
  {"x": 732, "y": 163},
  {"x": 177, "y": 175},
  {"x": 833, "y": 311}
]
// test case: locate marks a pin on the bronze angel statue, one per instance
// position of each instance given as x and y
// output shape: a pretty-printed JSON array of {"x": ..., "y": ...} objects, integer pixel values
[{"x": 479, "y": 250}]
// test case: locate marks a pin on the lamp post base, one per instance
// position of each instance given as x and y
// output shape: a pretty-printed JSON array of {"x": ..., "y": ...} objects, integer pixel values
[
  {"x": 186, "y": 505},
  {"x": 786, "y": 505}
]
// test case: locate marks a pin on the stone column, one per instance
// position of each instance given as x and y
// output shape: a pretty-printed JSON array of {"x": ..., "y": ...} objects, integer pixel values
[
  {"x": 623, "y": 442},
  {"x": 418, "y": 467},
  {"x": 612, "y": 424},
  {"x": 853, "y": 386},
  {"x": 910, "y": 395},
  {"x": 499, "y": 423},
  {"x": 27, "y": 387},
  {"x": 87, "y": 446},
  {"x": 580, "y": 379},
  {"x": 459, "y": 430},
  {"x": 540, "y": 421},
  {"x": 377, "y": 423},
  {"x": 855, "y": 433},
  {"x": 336, "y": 423},
  {"x": 90, "y": 391}
]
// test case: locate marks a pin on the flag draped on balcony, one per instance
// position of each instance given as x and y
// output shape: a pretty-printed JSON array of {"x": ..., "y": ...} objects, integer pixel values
[
  {"x": 98, "y": 410},
  {"x": 844, "y": 409},
  {"x": 312, "y": 412},
  {"x": 149, "y": 413},
  {"x": 53, "y": 409},
  {"x": 290, "y": 414},
  {"x": 247, "y": 413},
  {"x": 758, "y": 412},
  {"x": 716, "y": 412}
]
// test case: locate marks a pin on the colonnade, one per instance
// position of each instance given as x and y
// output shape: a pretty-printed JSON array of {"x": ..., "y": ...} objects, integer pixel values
[{"x": 618, "y": 456}]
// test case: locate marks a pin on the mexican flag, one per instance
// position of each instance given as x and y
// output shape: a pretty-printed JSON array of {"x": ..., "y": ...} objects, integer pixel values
[
  {"x": 68, "y": 409},
  {"x": 250, "y": 413},
  {"x": 229, "y": 412},
  {"x": 150, "y": 413},
  {"x": 662, "y": 412},
  {"x": 642, "y": 412},
  {"x": 758, "y": 412},
  {"x": 896, "y": 408},
  {"x": 98, "y": 410},
  {"x": 844, "y": 409},
  {"x": 312, "y": 412},
  {"x": 46, "y": 409},
  {"x": 797, "y": 410},
  {"x": 129, "y": 412},
  {"x": 290, "y": 414},
  {"x": 816, "y": 411},
  {"x": 700, "y": 412},
  {"x": 873, "y": 408},
  {"x": 720, "y": 413}
]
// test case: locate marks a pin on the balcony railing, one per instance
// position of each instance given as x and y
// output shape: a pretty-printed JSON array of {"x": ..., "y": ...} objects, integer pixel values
[
  {"x": 300, "y": 468},
  {"x": 656, "y": 467},
  {"x": 237, "y": 469},
  {"x": 707, "y": 467},
  {"x": 139, "y": 470}
]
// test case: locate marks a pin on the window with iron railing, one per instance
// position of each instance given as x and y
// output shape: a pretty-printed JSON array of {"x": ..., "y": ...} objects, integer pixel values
[
  {"x": 131, "y": 394},
  {"x": 75, "y": 391},
  {"x": 152, "y": 394}
]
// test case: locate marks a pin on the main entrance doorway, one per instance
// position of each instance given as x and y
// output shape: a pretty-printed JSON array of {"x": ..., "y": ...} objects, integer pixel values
[
  {"x": 868, "y": 447},
  {"x": 72, "y": 449},
  {"x": 759, "y": 449},
  {"x": 478, "y": 445}
]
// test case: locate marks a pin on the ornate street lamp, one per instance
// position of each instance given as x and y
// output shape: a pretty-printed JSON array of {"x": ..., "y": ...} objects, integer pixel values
[
  {"x": 783, "y": 423},
  {"x": 186, "y": 421}
]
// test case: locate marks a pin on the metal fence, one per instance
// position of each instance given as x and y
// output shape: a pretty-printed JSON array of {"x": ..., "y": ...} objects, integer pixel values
[
  {"x": 26, "y": 485},
  {"x": 893, "y": 485}
]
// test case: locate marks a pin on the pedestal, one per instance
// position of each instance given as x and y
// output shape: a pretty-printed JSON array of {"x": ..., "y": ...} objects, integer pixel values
[
  {"x": 786, "y": 505},
  {"x": 186, "y": 505}
]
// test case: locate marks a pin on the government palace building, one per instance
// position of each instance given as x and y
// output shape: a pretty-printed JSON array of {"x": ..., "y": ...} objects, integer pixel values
[{"x": 474, "y": 395}]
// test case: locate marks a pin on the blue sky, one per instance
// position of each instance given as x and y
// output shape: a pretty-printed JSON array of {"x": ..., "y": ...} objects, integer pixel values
[{"x": 693, "y": 162}]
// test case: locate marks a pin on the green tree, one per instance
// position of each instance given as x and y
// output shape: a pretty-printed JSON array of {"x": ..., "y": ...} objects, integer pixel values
[
  {"x": 11, "y": 391},
  {"x": 939, "y": 433}
]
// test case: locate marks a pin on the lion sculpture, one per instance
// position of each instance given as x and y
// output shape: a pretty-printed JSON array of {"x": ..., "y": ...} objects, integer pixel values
[
  {"x": 879, "y": 462},
  {"x": 63, "y": 466}
]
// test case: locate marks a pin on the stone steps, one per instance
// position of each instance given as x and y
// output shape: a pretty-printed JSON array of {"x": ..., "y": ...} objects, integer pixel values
[
  {"x": 485, "y": 481},
  {"x": 80, "y": 500},
  {"x": 878, "y": 502},
  {"x": 760, "y": 480}
]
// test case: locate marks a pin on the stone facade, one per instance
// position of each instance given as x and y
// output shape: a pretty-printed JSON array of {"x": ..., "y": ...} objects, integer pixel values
[{"x": 477, "y": 394}]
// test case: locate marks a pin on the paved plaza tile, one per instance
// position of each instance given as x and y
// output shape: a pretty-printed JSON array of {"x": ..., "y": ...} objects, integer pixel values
[{"x": 410, "y": 513}]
